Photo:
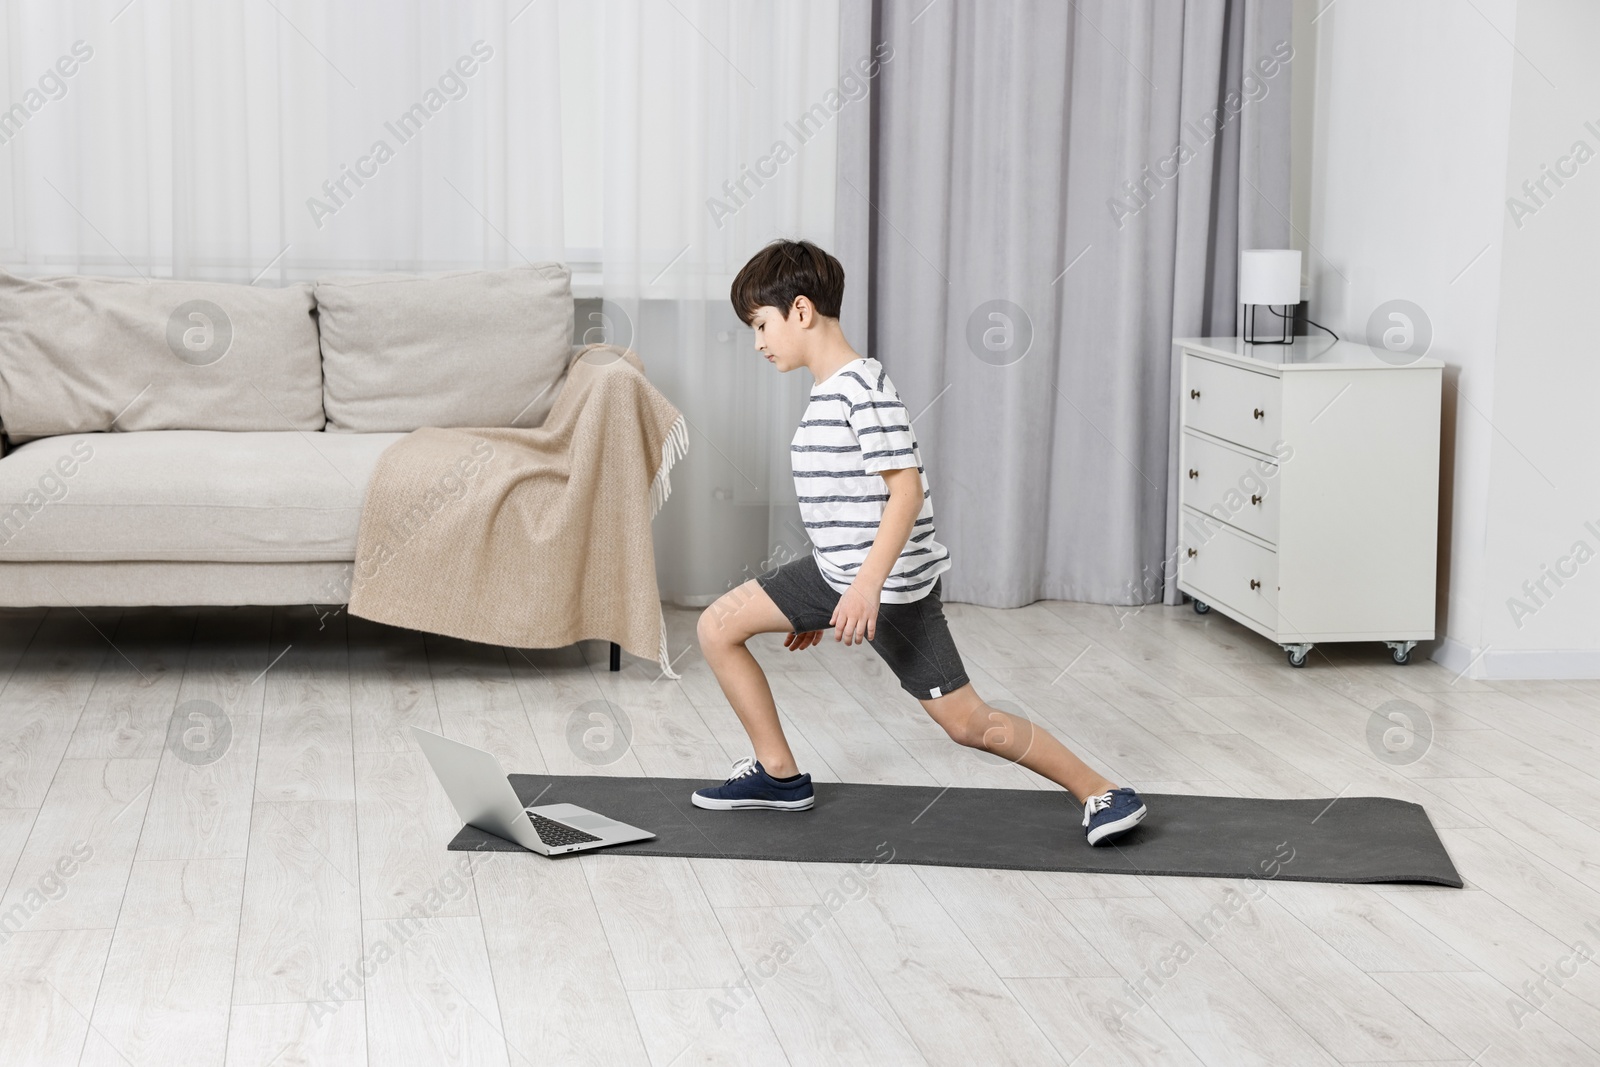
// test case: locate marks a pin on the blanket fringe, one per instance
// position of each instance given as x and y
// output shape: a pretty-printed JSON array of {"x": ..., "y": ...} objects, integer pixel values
[
  {"x": 673, "y": 449},
  {"x": 662, "y": 658}
]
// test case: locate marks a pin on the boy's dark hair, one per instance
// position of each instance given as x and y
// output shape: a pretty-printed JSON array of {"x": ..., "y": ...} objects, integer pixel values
[{"x": 784, "y": 270}]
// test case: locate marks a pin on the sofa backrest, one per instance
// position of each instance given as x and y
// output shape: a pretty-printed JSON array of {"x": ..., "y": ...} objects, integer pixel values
[
  {"x": 81, "y": 354},
  {"x": 470, "y": 348}
]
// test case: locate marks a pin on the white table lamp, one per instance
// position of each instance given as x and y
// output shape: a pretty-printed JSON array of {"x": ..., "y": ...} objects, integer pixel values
[{"x": 1269, "y": 276}]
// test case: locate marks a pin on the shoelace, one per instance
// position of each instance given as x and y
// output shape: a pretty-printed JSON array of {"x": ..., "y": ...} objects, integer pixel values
[
  {"x": 742, "y": 768},
  {"x": 1094, "y": 806}
]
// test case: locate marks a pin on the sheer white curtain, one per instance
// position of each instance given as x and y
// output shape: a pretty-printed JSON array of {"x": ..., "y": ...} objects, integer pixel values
[
  {"x": 266, "y": 141},
  {"x": 707, "y": 130}
]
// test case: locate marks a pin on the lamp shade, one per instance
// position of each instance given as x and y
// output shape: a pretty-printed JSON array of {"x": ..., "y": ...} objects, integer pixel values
[{"x": 1269, "y": 276}]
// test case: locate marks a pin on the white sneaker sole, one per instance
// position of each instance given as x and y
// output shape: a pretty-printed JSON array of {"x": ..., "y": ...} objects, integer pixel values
[
  {"x": 1112, "y": 829},
  {"x": 716, "y": 804}
]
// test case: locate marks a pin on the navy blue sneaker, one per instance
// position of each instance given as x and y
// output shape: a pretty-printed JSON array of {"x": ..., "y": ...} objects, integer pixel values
[
  {"x": 1110, "y": 815},
  {"x": 750, "y": 786}
]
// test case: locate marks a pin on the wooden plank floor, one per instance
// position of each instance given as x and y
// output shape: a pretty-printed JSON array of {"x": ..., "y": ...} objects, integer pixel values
[{"x": 218, "y": 845}]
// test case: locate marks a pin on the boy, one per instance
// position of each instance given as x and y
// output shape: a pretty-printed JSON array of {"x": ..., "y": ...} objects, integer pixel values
[{"x": 875, "y": 570}]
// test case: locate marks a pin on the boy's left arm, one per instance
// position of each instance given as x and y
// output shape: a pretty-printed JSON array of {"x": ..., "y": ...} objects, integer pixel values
[{"x": 855, "y": 619}]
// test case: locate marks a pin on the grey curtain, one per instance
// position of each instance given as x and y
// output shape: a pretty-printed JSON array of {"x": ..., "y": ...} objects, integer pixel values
[{"x": 1042, "y": 195}]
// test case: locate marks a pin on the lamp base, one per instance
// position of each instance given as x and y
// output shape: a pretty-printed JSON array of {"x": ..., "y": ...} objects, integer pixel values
[{"x": 1250, "y": 327}]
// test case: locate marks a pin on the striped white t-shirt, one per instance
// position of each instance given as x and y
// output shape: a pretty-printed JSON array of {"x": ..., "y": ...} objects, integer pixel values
[{"x": 854, "y": 428}]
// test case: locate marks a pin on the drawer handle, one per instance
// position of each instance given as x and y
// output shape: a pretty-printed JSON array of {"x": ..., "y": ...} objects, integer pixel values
[
  {"x": 1194, "y": 394},
  {"x": 1260, "y": 414},
  {"x": 1193, "y": 553},
  {"x": 1255, "y": 498},
  {"x": 1254, "y": 584},
  {"x": 1193, "y": 473}
]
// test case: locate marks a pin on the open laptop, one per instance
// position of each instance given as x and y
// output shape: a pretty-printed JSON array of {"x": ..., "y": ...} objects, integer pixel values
[{"x": 477, "y": 786}]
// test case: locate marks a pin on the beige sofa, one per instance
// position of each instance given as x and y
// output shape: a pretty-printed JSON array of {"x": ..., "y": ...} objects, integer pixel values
[{"x": 195, "y": 443}]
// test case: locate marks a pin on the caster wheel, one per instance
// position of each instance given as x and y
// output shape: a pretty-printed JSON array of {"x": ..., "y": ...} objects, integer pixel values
[
  {"x": 1400, "y": 657},
  {"x": 1201, "y": 607},
  {"x": 1297, "y": 659}
]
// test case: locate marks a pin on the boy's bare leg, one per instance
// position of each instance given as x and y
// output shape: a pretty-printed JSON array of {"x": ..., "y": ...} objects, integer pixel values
[
  {"x": 724, "y": 627},
  {"x": 971, "y": 722}
]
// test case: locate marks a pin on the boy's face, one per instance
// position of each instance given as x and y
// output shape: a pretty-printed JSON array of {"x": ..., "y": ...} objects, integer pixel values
[{"x": 780, "y": 339}]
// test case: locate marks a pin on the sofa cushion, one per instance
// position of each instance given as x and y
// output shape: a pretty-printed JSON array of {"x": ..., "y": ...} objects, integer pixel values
[
  {"x": 474, "y": 348},
  {"x": 192, "y": 495},
  {"x": 81, "y": 354}
]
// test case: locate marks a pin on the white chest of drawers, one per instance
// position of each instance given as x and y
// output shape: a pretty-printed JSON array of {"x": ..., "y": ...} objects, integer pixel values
[{"x": 1309, "y": 490}]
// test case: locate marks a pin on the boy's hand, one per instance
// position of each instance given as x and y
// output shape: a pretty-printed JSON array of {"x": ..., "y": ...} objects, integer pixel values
[
  {"x": 796, "y": 642},
  {"x": 855, "y": 619}
]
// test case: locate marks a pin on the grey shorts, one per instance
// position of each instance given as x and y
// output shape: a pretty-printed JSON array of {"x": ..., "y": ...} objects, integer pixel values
[{"x": 913, "y": 639}]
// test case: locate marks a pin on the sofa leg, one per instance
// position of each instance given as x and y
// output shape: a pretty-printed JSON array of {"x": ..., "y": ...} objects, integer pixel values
[{"x": 616, "y": 656}]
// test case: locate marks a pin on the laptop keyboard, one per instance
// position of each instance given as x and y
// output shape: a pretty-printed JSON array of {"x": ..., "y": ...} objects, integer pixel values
[{"x": 555, "y": 834}]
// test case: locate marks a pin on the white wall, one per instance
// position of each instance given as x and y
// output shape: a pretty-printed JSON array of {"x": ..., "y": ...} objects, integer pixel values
[
  {"x": 1405, "y": 170},
  {"x": 1424, "y": 118},
  {"x": 1544, "y": 480}
]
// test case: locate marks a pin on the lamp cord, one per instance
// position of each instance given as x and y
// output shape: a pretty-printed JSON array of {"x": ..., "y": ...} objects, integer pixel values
[{"x": 1318, "y": 325}]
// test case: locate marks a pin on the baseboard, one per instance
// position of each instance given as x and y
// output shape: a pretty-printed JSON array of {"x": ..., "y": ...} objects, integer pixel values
[
  {"x": 1518, "y": 665},
  {"x": 1456, "y": 658},
  {"x": 1554, "y": 664}
]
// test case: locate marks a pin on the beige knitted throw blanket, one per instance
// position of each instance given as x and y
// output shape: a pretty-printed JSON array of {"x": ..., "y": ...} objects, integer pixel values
[{"x": 529, "y": 538}]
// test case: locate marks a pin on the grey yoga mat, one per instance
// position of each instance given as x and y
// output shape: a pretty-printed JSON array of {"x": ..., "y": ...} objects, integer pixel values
[{"x": 1348, "y": 839}]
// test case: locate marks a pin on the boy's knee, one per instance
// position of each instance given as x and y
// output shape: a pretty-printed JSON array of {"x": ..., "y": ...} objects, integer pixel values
[
  {"x": 966, "y": 726},
  {"x": 963, "y": 732},
  {"x": 713, "y": 629},
  {"x": 706, "y": 629}
]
